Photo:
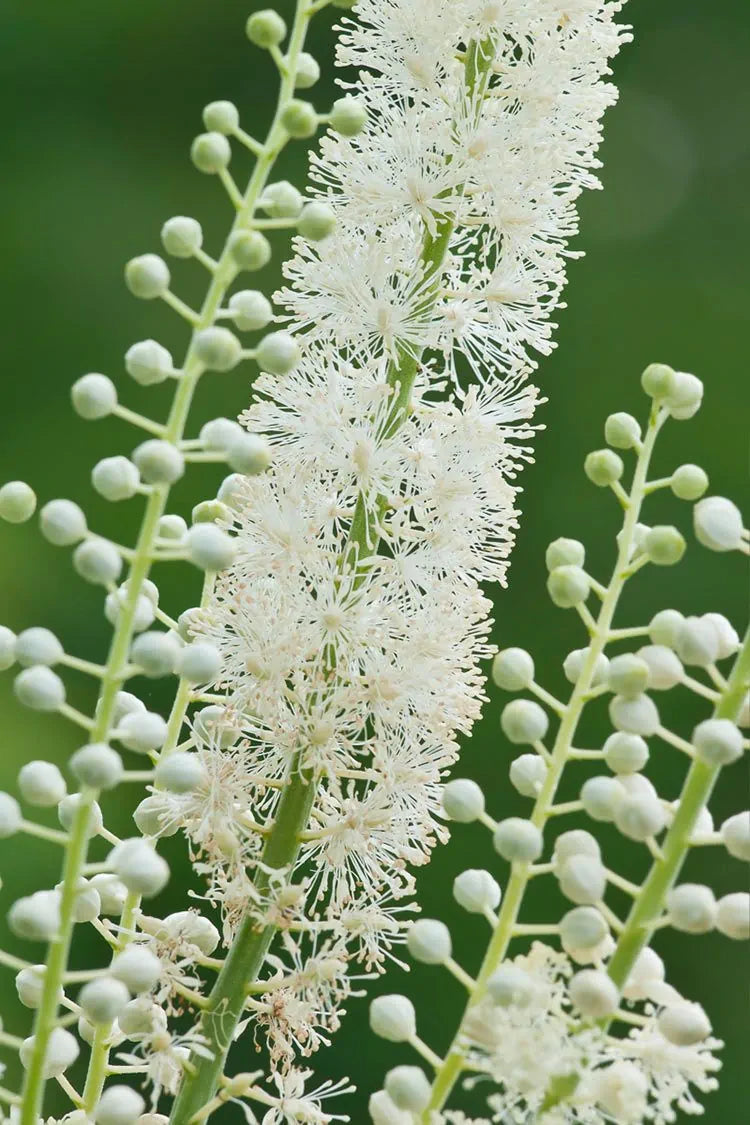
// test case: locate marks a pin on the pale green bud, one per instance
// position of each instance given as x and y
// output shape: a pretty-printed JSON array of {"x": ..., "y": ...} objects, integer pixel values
[
  {"x": 112, "y": 894},
  {"x": 67, "y": 811},
  {"x": 93, "y": 396},
  {"x": 103, "y": 999},
  {"x": 463, "y": 800},
  {"x": 62, "y": 523},
  {"x": 148, "y": 362},
  {"x": 159, "y": 462},
  {"x": 199, "y": 663},
  {"x": 144, "y": 609},
  {"x": 182, "y": 236},
  {"x": 221, "y": 117},
  {"x": 250, "y": 310},
  {"x": 41, "y": 783},
  {"x": 511, "y": 987},
  {"x": 231, "y": 490},
  {"x": 308, "y": 71},
  {"x": 299, "y": 119},
  {"x": 210, "y": 548},
  {"x": 658, "y": 380},
  {"x": 627, "y": 674},
  {"x": 348, "y": 116},
  {"x": 691, "y": 908},
  {"x": 636, "y": 714},
  {"x": 408, "y": 1088},
  {"x": 575, "y": 842},
  {"x": 10, "y": 816},
  {"x": 210, "y": 511},
  {"x": 393, "y": 1018},
  {"x": 697, "y": 641},
  {"x": 689, "y": 482},
  {"x": 172, "y": 527},
  {"x": 38, "y": 646},
  {"x": 429, "y": 941},
  {"x": 17, "y": 502},
  {"x": 622, "y": 431},
  {"x": 39, "y": 688},
  {"x": 139, "y": 969},
  {"x": 513, "y": 669},
  {"x": 147, "y": 276},
  {"x": 583, "y": 927},
  {"x": 219, "y": 433},
  {"x": 685, "y": 397},
  {"x": 139, "y": 867},
  {"x": 601, "y": 797},
  {"x": 180, "y": 772},
  {"x": 718, "y": 742},
  {"x": 218, "y": 349},
  {"x": 523, "y": 721},
  {"x": 86, "y": 906},
  {"x": 625, "y": 753},
  {"x": 665, "y": 626},
  {"x": 594, "y": 994},
  {"x": 664, "y": 545},
  {"x": 62, "y": 1051},
  {"x": 603, "y": 467},
  {"x": 265, "y": 28},
  {"x": 210, "y": 152},
  {"x": 565, "y": 552},
  {"x": 7, "y": 648},
  {"x": 281, "y": 200},
  {"x": 316, "y": 222},
  {"x": 36, "y": 917},
  {"x": 115, "y": 478},
  {"x": 152, "y": 817},
  {"x": 155, "y": 653},
  {"x": 249, "y": 454},
  {"x": 250, "y": 249},
  {"x": 97, "y": 765},
  {"x": 278, "y": 353},
  {"x": 575, "y": 660},
  {"x": 664, "y": 668},
  {"x": 528, "y": 774},
  {"x": 568, "y": 586},
  {"x": 729, "y": 641},
  {"x": 640, "y": 816},
  {"x": 517, "y": 840}
]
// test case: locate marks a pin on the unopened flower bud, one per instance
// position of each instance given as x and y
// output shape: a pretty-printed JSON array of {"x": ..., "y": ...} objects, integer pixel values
[
  {"x": 103, "y": 999},
  {"x": 601, "y": 797},
  {"x": 348, "y": 116},
  {"x": 718, "y": 742},
  {"x": 697, "y": 642},
  {"x": 142, "y": 731},
  {"x": 219, "y": 433},
  {"x": 147, "y": 276},
  {"x": 139, "y": 969},
  {"x": 476, "y": 891},
  {"x": 265, "y": 28},
  {"x": 307, "y": 73},
  {"x": 250, "y": 310},
  {"x": 39, "y": 688},
  {"x": 139, "y": 867},
  {"x": 582, "y": 879},
  {"x": 278, "y": 353},
  {"x": 62, "y": 1051},
  {"x": 429, "y": 941},
  {"x": 393, "y": 1018},
  {"x": 513, "y": 669},
  {"x": 583, "y": 928},
  {"x": 510, "y": 987},
  {"x": 685, "y": 397},
  {"x": 627, "y": 674},
  {"x": 115, "y": 478},
  {"x": 729, "y": 641},
  {"x": 62, "y": 523},
  {"x": 299, "y": 119},
  {"x": 93, "y": 396},
  {"x": 517, "y": 840},
  {"x": 10, "y": 816},
  {"x": 684, "y": 1024},
  {"x": 463, "y": 800},
  {"x": 38, "y": 646},
  {"x": 640, "y": 817},
  {"x": 218, "y": 349},
  {"x": 30, "y": 986},
  {"x": 689, "y": 482},
  {"x": 664, "y": 668},
  {"x": 523, "y": 721},
  {"x": 647, "y": 971},
  {"x": 735, "y": 834},
  {"x": 199, "y": 663},
  {"x": 625, "y": 753},
  {"x": 68, "y": 810},
  {"x": 594, "y": 994},
  {"x": 568, "y": 586},
  {"x": 144, "y": 609},
  {"x": 718, "y": 524},
  {"x": 316, "y": 222},
  {"x": 159, "y": 462},
  {"x": 155, "y": 653},
  {"x": 97, "y": 765},
  {"x": 148, "y": 362},
  {"x": 658, "y": 380},
  {"x": 210, "y": 548},
  {"x": 119, "y": 1105},
  {"x": 250, "y": 249},
  {"x": 249, "y": 454},
  {"x": 194, "y": 928},
  {"x": 733, "y": 916},
  {"x": 383, "y": 1112},
  {"x": 112, "y": 894},
  {"x": 210, "y": 153},
  {"x": 664, "y": 545},
  {"x": 139, "y": 1017},
  {"x": 575, "y": 842},
  {"x": 408, "y": 1088},
  {"x": 603, "y": 467},
  {"x": 622, "y": 431},
  {"x": 636, "y": 714},
  {"x": 281, "y": 201},
  {"x": 528, "y": 774},
  {"x": 36, "y": 917},
  {"x": 692, "y": 908},
  {"x": 210, "y": 511},
  {"x": 181, "y": 772},
  {"x": 575, "y": 661},
  {"x": 182, "y": 236},
  {"x": 665, "y": 627},
  {"x": 565, "y": 552}
]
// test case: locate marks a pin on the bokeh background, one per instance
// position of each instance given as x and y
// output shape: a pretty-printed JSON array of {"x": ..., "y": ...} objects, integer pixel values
[{"x": 100, "y": 104}]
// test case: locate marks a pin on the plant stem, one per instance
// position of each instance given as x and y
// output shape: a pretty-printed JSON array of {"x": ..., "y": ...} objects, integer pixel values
[{"x": 448, "y": 1072}]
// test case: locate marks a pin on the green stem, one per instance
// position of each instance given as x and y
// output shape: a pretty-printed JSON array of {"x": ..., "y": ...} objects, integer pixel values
[{"x": 450, "y": 1069}]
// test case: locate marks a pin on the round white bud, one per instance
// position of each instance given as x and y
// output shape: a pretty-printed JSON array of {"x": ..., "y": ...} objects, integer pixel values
[
  {"x": 231, "y": 490},
  {"x": 625, "y": 753},
  {"x": 717, "y": 523},
  {"x": 582, "y": 879},
  {"x": 199, "y": 663},
  {"x": 139, "y": 867},
  {"x": 265, "y": 28},
  {"x": 249, "y": 454},
  {"x": 523, "y": 721},
  {"x": 476, "y": 891},
  {"x": 87, "y": 904},
  {"x": 38, "y": 646},
  {"x": 112, "y": 894},
  {"x": 194, "y": 928},
  {"x": 147, "y": 276},
  {"x": 735, "y": 833},
  {"x": 583, "y": 928},
  {"x": 393, "y": 1018},
  {"x": 383, "y": 1112},
  {"x": 219, "y": 433},
  {"x": 565, "y": 552},
  {"x": 144, "y": 609},
  {"x": 463, "y": 800},
  {"x": 517, "y": 840},
  {"x": 210, "y": 152},
  {"x": 692, "y": 908},
  {"x": 568, "y": 586},
  {"x": 594, "y": 994},
  {"x": 180, "y": 772},
  {"x": 665, "y": 627},
  {"x": 278, "y": 353},
  {"x": 733, "y": 916},
  {"x": 575, "y": 842},
  {"x": 17, "y": 501},
  {"x": 119, "y": 1105},
  {"x": 429, "y": 941},
  {"x": 172, "y": 527},
  {"x": 140, "y": 1017},
  {"x": 640, "y": 817},
  {"x": 103, "y": 999},
  {"x": 182, "y": 236},
  {"x": 217, "y": 348},
  {"x": 115, "y": 478},
  {"x": 729, "y": 641},
  {"x": 601, "y": 797},
  {"x": 152, "y": 817},
  {"x": 299, "y": 119},
  {"x": 574, "y": 662},
  {"x": 697, "y": 641},
  {"x": 221, "y": 117},
  {"x": 635, "y": 714},
  {"x": 250, "y": 249},
  {"x": 689, "y": 482},
  {"x": 622, "y": 431},
  {"x": 664, "y": 545},
  {"x": 685, "y": 397},
  {"x": 281, "y": 200},
  {"x": 10, "y": 816},
  {"x": 637, "y": 785},
  {"x": 622, "y": 1092},
  {"x": 658, "y": 380},
  {"x": 36, "y": 917},
  {"x": 647, "y": 971},
  {"x": 317, "y": 221},
  {"x": 148, "y": 362},
  {"x": 307, "y": 73},
  {"x": 250, "y": 310},
  {"x": 159, "y": 462},
  {"x": 408, "y": 1088},
  {"x": 68, "y": 808},
  {"x": 155, "y": 654},
  {"x": 718, "y": 742},
  {"x": 215, "y": 725},
  {"x": 62, "y": 523},
  {"x": 30, "y": 986},
  {"x": 97, "y": 765},
  {"x": 138, "y": 968},
  {"x": 62, "y": 1051},
  {"x": 603, "y": 467},
  {"x": 210, "y": 548},
  {"x": 664, "y": 668},
  {"x": 210, "y": 511},
  {"x": 684, "y": 1024},
  {"x": 98, "y": 562},
  {"x": 528, "y": 774},
  {"x": 513, "y": 669},
  {"x": 93, "y": 396},
  {"x": 142, "y": 731},
  {"x": 627, "y": 674},
  {"x": 510, "y": 987},
  {"x": 39, "y": 688},
  {"x": 348, "y": 116},
  {"x": 7, "y": 648}
]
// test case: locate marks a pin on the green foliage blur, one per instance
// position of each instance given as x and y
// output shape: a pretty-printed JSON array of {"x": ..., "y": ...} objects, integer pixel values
[{"x": 100, "y": 104}]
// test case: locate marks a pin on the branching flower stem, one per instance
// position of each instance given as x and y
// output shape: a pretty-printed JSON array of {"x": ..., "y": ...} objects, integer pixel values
[
  {"x": 245, "y": 959},
  {"x": 117, "y": 662},
  {"x": 448, "y": 1072}
]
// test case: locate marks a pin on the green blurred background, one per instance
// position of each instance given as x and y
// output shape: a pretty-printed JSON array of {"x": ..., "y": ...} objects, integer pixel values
[{"x": 101, "y": 102}]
